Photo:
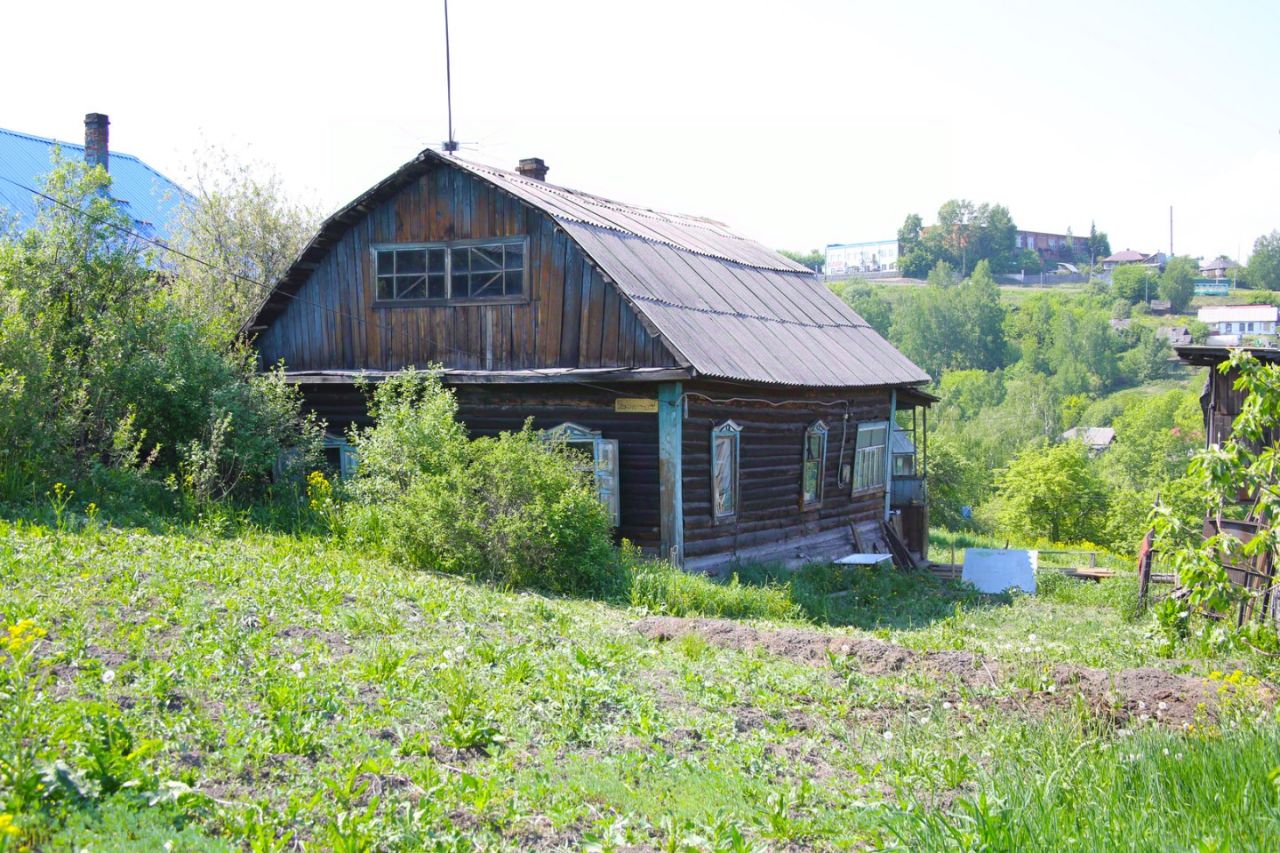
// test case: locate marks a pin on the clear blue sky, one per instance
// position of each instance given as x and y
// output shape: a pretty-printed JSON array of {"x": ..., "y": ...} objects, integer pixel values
[{"x": 800, "y": 123}]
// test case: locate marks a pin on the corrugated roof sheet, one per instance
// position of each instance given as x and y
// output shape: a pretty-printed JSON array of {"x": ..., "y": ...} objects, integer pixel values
[
  {"x": 725, "y": 305},
  {"x": 734, "y": 321},
  {"x": 150, "y": 199}
]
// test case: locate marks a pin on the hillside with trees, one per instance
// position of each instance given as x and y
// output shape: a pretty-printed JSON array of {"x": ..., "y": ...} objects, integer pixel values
[{"x": 1013, "y": 376}]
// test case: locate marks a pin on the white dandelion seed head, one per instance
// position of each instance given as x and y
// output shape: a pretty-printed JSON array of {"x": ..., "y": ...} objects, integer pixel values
[{"x": 108, "y": 676}]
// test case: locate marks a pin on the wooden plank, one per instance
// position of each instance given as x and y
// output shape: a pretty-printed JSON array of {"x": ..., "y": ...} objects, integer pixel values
[
  {"x": 610, "y": 324},
  {"x": 571, "y": 323}
]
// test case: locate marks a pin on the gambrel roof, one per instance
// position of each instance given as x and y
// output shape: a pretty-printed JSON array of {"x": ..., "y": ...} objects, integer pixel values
[{"x": 726, "y": 306}]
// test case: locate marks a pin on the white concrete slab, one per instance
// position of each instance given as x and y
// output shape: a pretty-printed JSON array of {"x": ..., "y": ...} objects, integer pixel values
[
  {"x": 994, "y": 570},
  {"x": 864, "y": 559}
]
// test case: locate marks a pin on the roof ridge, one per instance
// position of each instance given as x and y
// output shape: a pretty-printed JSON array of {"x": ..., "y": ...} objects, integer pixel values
[
  {"x": 570, "y": 192},
  {"x": 50, "y": 140}
]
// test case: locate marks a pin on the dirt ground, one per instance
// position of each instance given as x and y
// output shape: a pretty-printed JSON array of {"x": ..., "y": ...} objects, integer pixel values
[{"x": 1131, "y": 694}]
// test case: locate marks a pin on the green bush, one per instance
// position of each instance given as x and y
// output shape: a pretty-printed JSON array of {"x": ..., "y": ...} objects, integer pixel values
[
  {"x": 513, "y": 510},
  {"x": 100, "y": 369}
]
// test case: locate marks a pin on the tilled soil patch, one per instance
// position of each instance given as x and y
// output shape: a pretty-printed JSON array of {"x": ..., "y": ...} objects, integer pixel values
[{"x": 1141, "y": 694}]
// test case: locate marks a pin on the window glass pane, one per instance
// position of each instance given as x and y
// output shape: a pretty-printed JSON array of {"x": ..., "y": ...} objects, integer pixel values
[
  {"x": 461, "y": 260},
  {"x": 411, "y": 261},
  {"x": 386, "y": 263},
  {"x": 410, "y": 287},
  {"x": 435, "y": 286},
  {"x": 459, "y": 286},
  {"x": 514, "y": 282},
  {"x": 435, "y": 260},
  {"x": 724, "y": 473},
  {"x": 486, "y": 258},
  {"x": 386, "y": 287},
  {"x": 514, "y": 256},
  {"x": 486, "y": 285}
]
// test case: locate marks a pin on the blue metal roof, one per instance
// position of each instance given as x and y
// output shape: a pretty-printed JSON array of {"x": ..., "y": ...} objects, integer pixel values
[{"x": 148, "y": 197}]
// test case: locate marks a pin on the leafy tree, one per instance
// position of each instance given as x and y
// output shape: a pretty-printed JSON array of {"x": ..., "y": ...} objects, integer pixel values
[
  {"x": 1051, "y": 493},
  {"x": 942, "y": 275},
  {"x": 1263, "y": 271},
  {"x": 1199, "y": 331},
  {"x": 966, "y": 393},
  {"x": 909, "y": 233},
  {"x": 112, "y": 377},
  {"x": 1099, "y": 245},
  {"x": 952, "y": 327},
  {"x": 868, "y": 301},
  {"x": 1155, "y": 436},
  {"x": 1029, "y": 260},
  {"x": 1133, "y": 282},
  {"x": 1178, "y": 283},
  {"x": 916, "y": 263},
  {"x": 243, "y": 225},
  {"x": 1148, "y": 359},
  {"x": 813, "y": 259},
  {"x": 995, "y": 238}
]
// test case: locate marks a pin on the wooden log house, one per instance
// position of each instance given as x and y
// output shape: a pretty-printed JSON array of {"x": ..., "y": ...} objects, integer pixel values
[{"x": 734, "y": 408}]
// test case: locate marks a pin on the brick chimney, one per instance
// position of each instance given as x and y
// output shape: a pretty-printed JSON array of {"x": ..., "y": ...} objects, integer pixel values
[
  {"x": 533, "y": 167},
  {"x": 96, "y": 151}
]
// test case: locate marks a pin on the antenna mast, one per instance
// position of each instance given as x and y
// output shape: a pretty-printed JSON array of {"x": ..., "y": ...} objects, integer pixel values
[{"x": 450, "y": 145}]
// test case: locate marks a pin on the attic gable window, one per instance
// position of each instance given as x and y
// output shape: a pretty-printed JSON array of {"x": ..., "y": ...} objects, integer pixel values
[{"x": 443, "y": 272}]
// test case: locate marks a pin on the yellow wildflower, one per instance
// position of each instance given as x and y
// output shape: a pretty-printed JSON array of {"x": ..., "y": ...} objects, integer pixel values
[
  {"x": 6, "y": 825},
  {"x": 19, "y": 636}
]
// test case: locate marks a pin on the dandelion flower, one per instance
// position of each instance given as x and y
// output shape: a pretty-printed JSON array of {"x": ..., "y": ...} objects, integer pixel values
[
  {"x": 108, "y": 676},
  {"x": 888, "y": 735}
]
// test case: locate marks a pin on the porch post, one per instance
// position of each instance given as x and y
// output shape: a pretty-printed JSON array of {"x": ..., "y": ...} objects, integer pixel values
[
  {"x": 671, "y": 470},
  {"x": 888, "y": 455}
]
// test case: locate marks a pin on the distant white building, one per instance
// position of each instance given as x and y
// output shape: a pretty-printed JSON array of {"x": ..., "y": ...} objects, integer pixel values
[
  {"x": 852, "y": 258},
  {"x": 1097, "y": 439},
  {"x": 1229, "y": 325}
]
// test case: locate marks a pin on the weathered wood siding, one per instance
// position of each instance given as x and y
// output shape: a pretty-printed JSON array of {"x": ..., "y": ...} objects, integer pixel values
[
  {"x": 489, "y": 409},
  {"x": 770, "y": 515},
  {"x": 570, "y": 315}
]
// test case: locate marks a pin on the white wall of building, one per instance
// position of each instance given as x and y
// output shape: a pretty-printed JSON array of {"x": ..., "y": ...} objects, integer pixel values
[{"x": 874, "y": 256}]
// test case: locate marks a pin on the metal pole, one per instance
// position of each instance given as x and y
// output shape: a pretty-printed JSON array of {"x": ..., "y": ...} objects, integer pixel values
[{"x": 449, "y": 144}]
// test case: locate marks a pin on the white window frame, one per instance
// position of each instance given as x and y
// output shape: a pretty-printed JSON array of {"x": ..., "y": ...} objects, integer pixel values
[
  {"x": 449, "y": 248},
  {"x": 816, "y": 430},
  {"x": 869, "y": 464},
  {"x": 348, "y": 459},
  {"x": 604, "y": 462},
  {"x": 732, "y": 433}
]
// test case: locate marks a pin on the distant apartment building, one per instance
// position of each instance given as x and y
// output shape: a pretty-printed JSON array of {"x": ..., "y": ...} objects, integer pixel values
[
  {"x": 872, "y": 256},
  {"x": 1230, "y": 325},
  {"x": 1052, "y": 247}
]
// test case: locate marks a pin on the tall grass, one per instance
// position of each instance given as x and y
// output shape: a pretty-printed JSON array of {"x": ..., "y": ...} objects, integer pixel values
[{"x": 1153, "y": 790}]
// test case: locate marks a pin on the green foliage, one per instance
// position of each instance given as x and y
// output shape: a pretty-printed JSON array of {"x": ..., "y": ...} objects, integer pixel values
[
  {"x": 1245, "y": 464},
  {"x": 952, "y": 327},
  {"x": 514, "y": 510},
  {"x": 1099, "y": 245},
  {"x": 942, "y": 275},
  {"x": 1050, "y": 492},
  {"x": 241, "y": 224},
  {"x": 1134, "y": 283},
  {"x": 813, "y": 259},
  {"x": 102, "y": 371},
  {"x": 868, "y": 301},
  {"x": 659, "y": 587},
  {"x": 1178, "y": 283},
  {"x": 1263, "y": 272}
]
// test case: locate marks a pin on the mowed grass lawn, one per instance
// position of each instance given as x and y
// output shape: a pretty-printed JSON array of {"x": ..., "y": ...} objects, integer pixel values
[{"x": 260, "y": 691}]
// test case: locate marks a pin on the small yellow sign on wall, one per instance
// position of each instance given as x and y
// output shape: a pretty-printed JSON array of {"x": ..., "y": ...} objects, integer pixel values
[{"x": 635, "y": 404}]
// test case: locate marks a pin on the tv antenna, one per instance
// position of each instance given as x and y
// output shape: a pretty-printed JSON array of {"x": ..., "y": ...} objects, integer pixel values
[{"x": 450, "y": 145}]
